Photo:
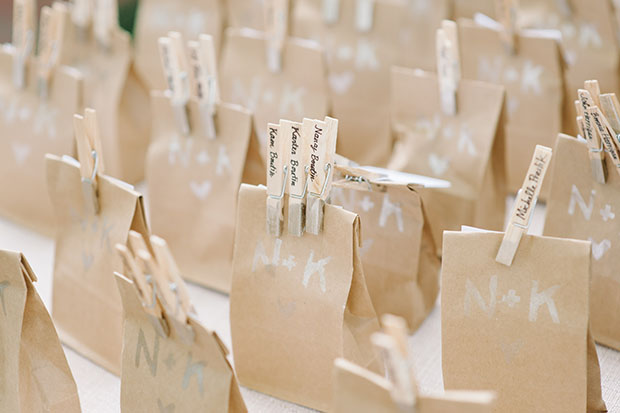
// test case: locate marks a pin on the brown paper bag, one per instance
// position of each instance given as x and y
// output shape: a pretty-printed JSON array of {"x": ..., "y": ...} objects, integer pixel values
[
  {"x": 170, "y": 361},
  {"x": 155, "y": 18},
  {"x": 534, "y": 89},
  {"x": 31, "y": 127},
  {"x": 193, "y": 184},
  {"x": 35, "y": 376},
  {"x": 297, "y": 303},
  {"x": 298, "y": 90},
  {"x": 246, "y": 13},
  {"x": 581, "y": 208},
  {"x": 86, "y": 303},
  {"x": 589, "y": 43},
  {"x": 357, "y": 390},
  {"x": 466, "y": 149},
  {"x": 401, "y": 33},
  {"x": 398, "y": 253},
  {"x": 518, "y": 322},
  {"x": 468, "y": 8},
  {"x": 106, "y": 71}
]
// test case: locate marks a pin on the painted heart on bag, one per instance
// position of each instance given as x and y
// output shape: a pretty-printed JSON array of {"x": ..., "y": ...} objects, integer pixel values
[
  {"x": 200, "y": 189},
  {"x": 437, "y": 164},
  {"x": 20, "y": 152},
  {"x": 600, "y": 248},
  {"x": 341, "y": 82}
]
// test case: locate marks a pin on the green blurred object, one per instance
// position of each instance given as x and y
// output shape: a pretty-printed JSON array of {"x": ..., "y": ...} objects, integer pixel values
[{"x": 127, "y": 14}]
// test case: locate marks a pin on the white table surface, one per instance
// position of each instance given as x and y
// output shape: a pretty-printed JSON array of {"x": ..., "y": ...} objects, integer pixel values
[{"x": 99, "y": 390}]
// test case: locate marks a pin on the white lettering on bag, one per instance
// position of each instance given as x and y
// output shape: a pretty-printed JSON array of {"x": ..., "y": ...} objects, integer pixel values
[
  {"x": 577, "y": 199},
  {"x": 142, "y": 347},
  {"x": 388, "y": 209},
  {"x": 194, "y": 369},
  {"x": 314, "y": 267}
]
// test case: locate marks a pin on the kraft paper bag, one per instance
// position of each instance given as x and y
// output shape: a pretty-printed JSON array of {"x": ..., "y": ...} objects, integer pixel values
[
  {"x": 193, "y": 184},
  {"x": 521, "y": 330},
  {"x": 111, "y": 88},
  {"x": 589, "y": 43},
  {"x": 299, "y": 90},
  {"x": 35, "y": 376},
  {"x": 85, "y": 300},
  {"x": 155, "y": 18},
  {"x": 357, "y": 390},
  {"x": 178, "y": 368},
  {"x": 246, "y": 13},
  {"x": 579, "y": 207},
  {"x": 32, "y": 127},
  {"x": 298, "y": 303},
  {"x": 466, "y": 149},
  {"x": 359, "y": 62},
  {"x": 469, "y": 8},
  {"x": 398, "y": 252},
  {"x": 534, "y": 88}
]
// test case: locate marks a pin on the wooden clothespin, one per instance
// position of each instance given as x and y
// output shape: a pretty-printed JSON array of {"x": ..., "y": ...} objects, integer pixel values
[
  {"x": 595, "y": 146},
  {"x": 164, "y": 257},
  {"x": 392, "y": 344},
  {"x": 321, "y": 138},
  {"x": 611, "y": 111},
  {"x": 147, "y": 292},
  {"x": 506, "y": 12},
  {"x": 605, "y": 131},
  {"x": 158, "y": 278},
  {"x": 171, "y": 51},
  {"x": 277, "y": 175},
  {"x": 297, "y": 182},
  {"x": 579, "y": 119},
  {"x": 105, "y": 21},
  {"x": 276, "y": 21},
  {"x": 364, "y": 15},
  {"x": 448, "y": 66},
  {"x": 524, "y": 205},
  {"x": 81, "y": 16},
  {"x": 331, "y": 11},
  {"x": 51, "y": 30},
  {"x": 206, "y": 89},
  {"x": 23, "y": 39},
  {"x": 90, "y": 155}
]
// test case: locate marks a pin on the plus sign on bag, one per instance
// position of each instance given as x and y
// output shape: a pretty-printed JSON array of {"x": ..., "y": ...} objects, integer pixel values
[
  {"x": 515, "y": 313},
  {"x": 299, "y": 298}
]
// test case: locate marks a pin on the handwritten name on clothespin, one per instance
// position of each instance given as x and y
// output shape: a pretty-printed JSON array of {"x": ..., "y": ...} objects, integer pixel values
[
  {"x": 297, "y": 182},
  {"x": 605, "y": 131},
  {"x": 105, "y": 21},
  {"x": 506, "y": 12},
  {"x": 204, "y": 73},
  {"x": 277, "y": 174},
  {"x": 392, "y": 345},
  {"x": 90, "y": 155},
  {"x": 177, "y": 79},
  {"x": 23, "y": 38},
  {"x": 364, "y": 15},
  {"x": 51, "y": 29},
  {"x": 611, "y": 111},
  {"x": 524, "y": 205},
  {"x": 448, "y": 66},
  {"x": 331, "y": 11},
  {"x": 595, "y": 146},
  {"x": 156, "y": 276},
  {"x": 276, "y": 21},
  {"x": 579, "y": 119},
  {"x": 136, "y": 274},
  {"x": 321, "y": 137}
]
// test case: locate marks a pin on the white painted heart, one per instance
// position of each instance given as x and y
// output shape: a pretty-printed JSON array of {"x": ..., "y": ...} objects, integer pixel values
[
  {"x": 600, "y": 248},
  {"x": 437, "y": 164},
  {"x": 200, "y": 189},
  {"x": 341, "y": 82},
  {"x": 20, "y": 152}
]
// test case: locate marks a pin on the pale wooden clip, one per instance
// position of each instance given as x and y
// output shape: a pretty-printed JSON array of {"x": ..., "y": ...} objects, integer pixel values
[
  {"x": 105, "y": 21},
  {"x": 171, "y": 51},
  {"x": 89, "y": 152},
  {"x": 51, "y": 30},
  {"x": 81, "y": 16},
  {"x": 298, "y": 182},
  {"x": 23, "y": 39},
  {"x": 595, "y": 146},
  {"x": 506, "y": 12},
  {"x": 581, "y": 130},
  {"x": 331, "y": 11},
  {"x": 204, "y": 71},
  {"x": 611, "y": 111},
  {"x": 393, "y": 345},
  {"x": 448, "y": 66},
  {"x": 364, "y": 15},
  {"x": 277, "y": 174},
  {"x": 321, "y": 138},
  {"x": 276, "y": 21},
  {"x": 605, "y": 131},
  {"x": 136, "y": 274},
  {"x": 524, "y": 205}
]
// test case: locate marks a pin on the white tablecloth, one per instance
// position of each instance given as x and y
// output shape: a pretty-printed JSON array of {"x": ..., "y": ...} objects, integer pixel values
[{"x": 100, "y": 390}]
